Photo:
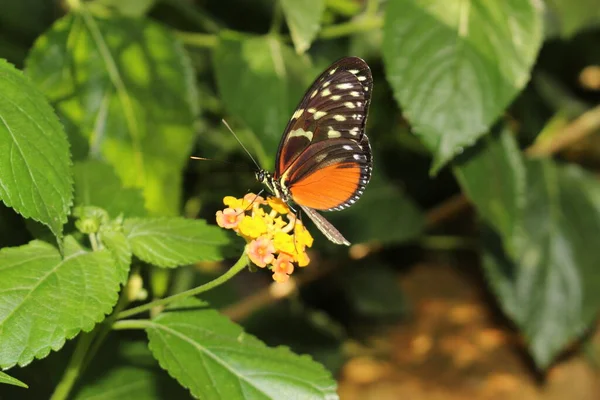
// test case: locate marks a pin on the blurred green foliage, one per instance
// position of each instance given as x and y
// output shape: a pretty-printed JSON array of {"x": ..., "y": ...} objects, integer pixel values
[{"x": 102, "y": 103}]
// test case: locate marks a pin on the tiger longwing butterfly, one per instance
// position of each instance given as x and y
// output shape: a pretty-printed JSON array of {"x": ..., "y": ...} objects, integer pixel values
[{"x": 324, "y": 159}]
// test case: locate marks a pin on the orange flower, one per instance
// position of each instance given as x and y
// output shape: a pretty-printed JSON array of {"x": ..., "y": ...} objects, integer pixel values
[
  {"x": 254, "y": 199},
  {"x": 282, "y": 266},
  {"x": 280, "y": 278},
  {"x": 229, "y": 218},
  {"x": 261, "y": 251}
]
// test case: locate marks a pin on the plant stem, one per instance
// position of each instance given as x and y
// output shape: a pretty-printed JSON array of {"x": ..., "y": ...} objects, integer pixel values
[
  {"x": 277, "y": 18},
  {"x": 365, "y": 24},
  {"x": 93, "y": 241},
  {"x": 372, "y": 7},
  {"x": 132, "y": 324},
  {"x": 234, "y": 270},
  {"x": 87, "y": 346},
  {"x": 73, "y": 370},
  {"x": 194, "y": 39}
]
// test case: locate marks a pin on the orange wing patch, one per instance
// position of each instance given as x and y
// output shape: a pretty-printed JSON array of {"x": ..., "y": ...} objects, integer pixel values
[{"x": 328, "y": 187}]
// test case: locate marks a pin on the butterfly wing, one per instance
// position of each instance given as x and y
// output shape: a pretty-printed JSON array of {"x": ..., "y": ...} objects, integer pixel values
[
  {"x": 330, "y": 175},
  {"x": 324, "y": 226},
  {"x": 324, "y": 159},
  {"x": 335, "y": 106}
]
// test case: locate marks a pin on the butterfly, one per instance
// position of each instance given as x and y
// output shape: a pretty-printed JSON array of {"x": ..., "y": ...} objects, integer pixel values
[{"x": 324, "y": 160}]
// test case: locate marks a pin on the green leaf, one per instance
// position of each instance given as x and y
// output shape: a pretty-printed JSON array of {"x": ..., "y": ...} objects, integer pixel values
[
  {"x": 550, "y": 289},
  {"x": 47, "y": 299},
  {"x": 96, "y": 184},
  {"x": 116, "y": 242},
  {"x": 127, "y": 88},
  {"x": 383, "y": 214},
  {"x": 260, "y": 81},
  {"x": 171, "y": 242},
  {"x": 303, "y": 329},
  {"x": 35, "y": 176},
  {"x": 228, "y": 363},
  {"x": 455, "y": 66},
  {"x": 501, "y": 200},
  {"x": 9, "y": 380},
  {"x": 575, "y": 15},
  {"x": 126, "y": 369},
  {"x": 304, "y": 21}
]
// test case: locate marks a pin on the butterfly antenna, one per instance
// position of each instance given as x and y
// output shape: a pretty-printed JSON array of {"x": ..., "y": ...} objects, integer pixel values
[{"x": 241, "y": 144}]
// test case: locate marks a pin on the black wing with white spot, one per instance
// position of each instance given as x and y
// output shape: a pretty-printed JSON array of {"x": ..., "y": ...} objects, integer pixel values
[{"x": 335, "y": 106}]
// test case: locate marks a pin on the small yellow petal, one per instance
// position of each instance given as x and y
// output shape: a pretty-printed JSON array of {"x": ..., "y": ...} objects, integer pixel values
[
  {"x": 283, "y": 243},
  {"x": 303, "y": 259},
  {"x": 232, "y": 202},
  {"x": 303, "y": 236},
  {"x": 252, "y": 226},
  {"x": 278, "y": 205}
]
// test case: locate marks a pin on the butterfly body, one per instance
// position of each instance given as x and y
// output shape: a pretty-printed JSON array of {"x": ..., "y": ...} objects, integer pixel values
[{"x": 324, "y": 160}]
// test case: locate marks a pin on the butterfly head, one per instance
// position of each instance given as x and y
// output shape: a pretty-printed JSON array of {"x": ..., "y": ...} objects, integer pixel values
[
  {"x": 262, "y": 176},
  {"x": 272, "y": 184}
]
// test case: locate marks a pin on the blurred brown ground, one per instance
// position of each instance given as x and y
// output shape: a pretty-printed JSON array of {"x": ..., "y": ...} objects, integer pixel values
[{"x": 457, "y": 347}]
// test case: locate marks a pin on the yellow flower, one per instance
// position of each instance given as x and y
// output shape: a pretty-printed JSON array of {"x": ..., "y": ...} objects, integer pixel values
[
  {"x": 232, "y": 202},
  {"x": 278, "y": 205},
  {"x": 303, "y": 236},
  {"x": 303, "y": 259},
  {"x": 252, "y": 226},
  {"x": 272, "y": 241},
  {"x": 283, "y": 243},
  {"x": 278, "y": 223}
]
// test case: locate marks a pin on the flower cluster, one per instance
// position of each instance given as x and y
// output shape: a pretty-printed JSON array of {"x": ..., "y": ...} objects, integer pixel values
[{"x": 275, "y": 238}]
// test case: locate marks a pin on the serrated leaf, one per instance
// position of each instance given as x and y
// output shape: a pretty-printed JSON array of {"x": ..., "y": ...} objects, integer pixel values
[
  {"x": 501, "y": 200},
  {"x": 119, "y": 247},
  {"x": 126, "y": 369},
  {"x": 455, "y": 66},
  {"x": 171, "y": 242},
  {"x": 226, "y": 362},
  {"x": 550, "y": 288},
  {"x": 96, "y": 184},
  {"x": 126, "y": 86},
  {"x": 35, "y": 176},
  {"x": 384, "y": 214},
  {"x": 260, "y": 81},
  {"x": 9, "y": 380},
  {"x": 304, "y": 21},
  {"x": 47, "y": 299},
  {"x": 303, "y": 329}
]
